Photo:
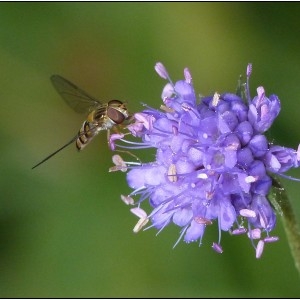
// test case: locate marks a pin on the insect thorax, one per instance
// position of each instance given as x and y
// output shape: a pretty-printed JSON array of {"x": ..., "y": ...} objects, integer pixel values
[{"x": 105, "y": 117}]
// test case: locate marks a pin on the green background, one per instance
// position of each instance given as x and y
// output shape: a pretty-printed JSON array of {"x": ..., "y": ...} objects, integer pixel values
[{"x": 64, "y": 231}]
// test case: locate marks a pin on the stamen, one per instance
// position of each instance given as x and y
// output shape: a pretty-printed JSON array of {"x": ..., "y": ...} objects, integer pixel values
[
  {"x": 161, "y": 229},
  {"x": 140, "y": 224},
  {"x": 249, "y": 70},
  {"x": 127, "y": 200},
  {"x": 119, "y": 162},
  {"x": 259, "y": 249},
  {"x": 239, "y": 231},
  {"x": 202, "y": 220},
  {"x": 116, "y": 169},
  {"x": 261, "y": 95},
  {"x": 250, "y": 179},
  {"x": 161, "y": 70},
  {"x": 247, "y": 213},
  {"x": 217, "y": 247},
  {"x": 187, "y": 75},
  {"x": 216, "y": 99},
  {"x": 181, "y": 235},
  {"x": 248, "y": 73},
  {"x": 271, "y": 239},
  {"x": 262, "y": 219},
  {"x": 145, "y": 145},
  {"x": 132, "y": 147},
  {"x": 175, "y": 130},
  {"x": 167, "y": 109},
  {"x": 254, "y": 234},
  {"x": 137, "y": 191},
  {"x": 202, "y": 176},
  {"x": 172, "y": 174},
  {"x": 288, "y": 177},
  {"x": 139, "y": 212}
]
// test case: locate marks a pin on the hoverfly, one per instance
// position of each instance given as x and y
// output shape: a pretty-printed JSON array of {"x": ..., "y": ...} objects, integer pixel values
[{"x": 101, "y": 116}]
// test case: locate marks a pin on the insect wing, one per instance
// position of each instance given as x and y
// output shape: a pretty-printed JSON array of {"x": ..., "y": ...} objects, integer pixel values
[{"x": 75, "y": 97}]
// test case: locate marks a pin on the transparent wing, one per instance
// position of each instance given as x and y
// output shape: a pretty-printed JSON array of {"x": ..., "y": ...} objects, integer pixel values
[{"x": 75, "y": 97}]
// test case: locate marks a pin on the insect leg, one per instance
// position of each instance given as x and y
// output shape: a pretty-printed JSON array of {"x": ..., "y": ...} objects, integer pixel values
[{"x": 55, "y": 152}]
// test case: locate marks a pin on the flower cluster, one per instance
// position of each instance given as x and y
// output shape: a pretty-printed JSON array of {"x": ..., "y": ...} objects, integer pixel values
[{"x": 213, "y": 162}]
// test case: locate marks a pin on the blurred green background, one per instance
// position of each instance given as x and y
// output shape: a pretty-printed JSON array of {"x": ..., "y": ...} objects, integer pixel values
[{"x": 64, "y": 231}]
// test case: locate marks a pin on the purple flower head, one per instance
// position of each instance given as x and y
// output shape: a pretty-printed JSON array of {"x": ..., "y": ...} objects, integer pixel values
[
  {"x": 263, "y": 110},
  {"x": 212, "y": 163}
]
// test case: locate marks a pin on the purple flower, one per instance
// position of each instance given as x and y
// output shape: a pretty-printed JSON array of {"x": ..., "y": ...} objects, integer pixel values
[{"x": 213, "y": 162}]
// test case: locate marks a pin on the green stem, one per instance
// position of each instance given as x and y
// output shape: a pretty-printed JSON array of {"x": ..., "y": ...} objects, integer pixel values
[
  {"x": 292, "y": 230},
  {"x": 280, "y": 201}
]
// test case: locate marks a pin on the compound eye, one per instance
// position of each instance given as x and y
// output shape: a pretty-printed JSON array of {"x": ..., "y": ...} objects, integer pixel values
[
  {"x": 115, "y": 103},
  {"x": 115, "y": 115}
]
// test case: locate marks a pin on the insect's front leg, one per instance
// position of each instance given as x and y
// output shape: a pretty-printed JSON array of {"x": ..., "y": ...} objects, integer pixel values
[{"x": 108, "y": 137}]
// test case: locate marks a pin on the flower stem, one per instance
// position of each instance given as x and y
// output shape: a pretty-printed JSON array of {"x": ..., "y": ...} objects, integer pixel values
[
  {"x": 292, "y": 230},
  {"x": 280, "y": 201}
]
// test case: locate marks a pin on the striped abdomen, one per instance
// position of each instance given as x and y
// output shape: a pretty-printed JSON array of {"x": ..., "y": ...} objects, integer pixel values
[
  {"x": 104, "y": 117},
  {"x": 86, "y": 134}
]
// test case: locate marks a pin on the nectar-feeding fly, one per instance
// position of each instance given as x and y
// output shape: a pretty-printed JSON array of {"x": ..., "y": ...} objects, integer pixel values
[{"x": 101, "y": 116}]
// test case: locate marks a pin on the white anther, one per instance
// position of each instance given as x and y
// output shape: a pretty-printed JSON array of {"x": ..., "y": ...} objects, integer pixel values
[
  {"x": 172, "y": 173},
  {"x": 247, "y": 213},
  {"x": 140, "y": 224},
  {"x": 259, "y": 249},
  {"x": 216, "y": 99},
  {"x": 139, "y": 212},
  {"x": 127, "y": 200}
]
